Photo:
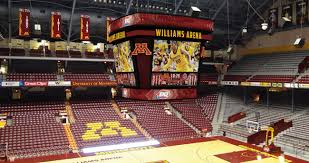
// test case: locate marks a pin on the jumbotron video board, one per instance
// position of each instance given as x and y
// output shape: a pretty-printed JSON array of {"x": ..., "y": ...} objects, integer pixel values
[
  {"x": 124, "y": 64},
  {"x": 154, "y": 52},
  {"x": 175, "y": 56},
  {"x": 122, "y": 55},
  {"x": 175, "y": 63}
]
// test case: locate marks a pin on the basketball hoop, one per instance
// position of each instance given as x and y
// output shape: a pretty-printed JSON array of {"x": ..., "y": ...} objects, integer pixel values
[{"x": 252, "y": 126}]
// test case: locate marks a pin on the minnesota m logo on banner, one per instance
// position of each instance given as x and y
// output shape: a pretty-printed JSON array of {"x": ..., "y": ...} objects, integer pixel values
[{"x": 141, "y": 48}]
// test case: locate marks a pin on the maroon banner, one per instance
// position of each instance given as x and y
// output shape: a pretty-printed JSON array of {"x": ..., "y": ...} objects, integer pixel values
[
  {"x": 159, "y": 94},
  {"x": 55, "y": 25},
  {"x": 126, "y": 79},
  {"x": 24, "y": 22},
  {"x": 160, "y": 20},
  {"x": 36, "y": 84},
  {"x": 84, "y": 27},
  {"x": 174, "y": 79},
  {"x": 108, "y": 29}
]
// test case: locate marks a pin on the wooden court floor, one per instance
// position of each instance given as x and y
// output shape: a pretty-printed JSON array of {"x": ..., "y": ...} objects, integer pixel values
[{"x": 214, "y": 150}]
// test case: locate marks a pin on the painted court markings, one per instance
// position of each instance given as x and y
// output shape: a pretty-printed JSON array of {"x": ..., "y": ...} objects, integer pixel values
[{"x": 204, "y": 152}]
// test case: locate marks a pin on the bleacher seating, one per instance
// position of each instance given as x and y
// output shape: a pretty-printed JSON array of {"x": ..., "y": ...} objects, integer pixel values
[
  {"x": 157, "y": 122},
  {"x": 239, "y": 78},
  {"x": 266, "y": 68},
  {"x": 266, "y": 118},
  {"x": 304, "y": 79},
  {"x": 31, "y": 77},
  {"x": 35, "y": 131},
  {"x": 18, "y": 52},
  {"x": 40, "y": 51},
  {"x": 75, "y": 54},
  {"x": 273, "y": 78},
  {"x": 4, "y": 51},
  {"x": 62, "y": 53},
  {"x": 96, "y": 54},
  {"x": 208, "y": 104},
  {"x": 233, "y": 103},
  {"x": 298, "y": 135},
  {"x": 86, "y": 77},
  {"x": 193, "y": 113},
  {"x": 109, "y": 128},
  {"x": 208, "y": 78}
]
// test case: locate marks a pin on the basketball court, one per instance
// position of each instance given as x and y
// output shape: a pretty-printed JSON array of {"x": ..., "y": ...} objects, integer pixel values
[{"x": 210, "y": 151}]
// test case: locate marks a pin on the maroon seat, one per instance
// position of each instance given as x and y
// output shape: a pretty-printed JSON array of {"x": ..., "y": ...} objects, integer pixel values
[
  {"x": 17, "y": 52},
  {"x": 99, "y": 112},
  {"x": 208, "y": 78},
  {"x": 40, "y": 52},
  {"x": 31, "y": 77},
  {"x": 62, "y": 53},
  {"x": 75, "y": 54},
  {"x": 4, "y": 51},
  {"x": 273, "y": 78},
  {"x": 35, "y": 130},
  {"x": 96, "y": 54},
  {"x": 239, "y": 78},
  {"x": 157, "y": 122},
  {"x": 87, "y": 77}
]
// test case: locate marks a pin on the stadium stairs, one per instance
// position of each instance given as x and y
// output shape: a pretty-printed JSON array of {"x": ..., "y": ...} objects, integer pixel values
[
  {"x": 180, "y": 116},
  {"x": 148, "y": 112},
  {"x": 218, "y": 115},
  {"x": 71, "y": 139},
  {"x": 69, "y": 111},
  {"x": 133, "y": 120}
]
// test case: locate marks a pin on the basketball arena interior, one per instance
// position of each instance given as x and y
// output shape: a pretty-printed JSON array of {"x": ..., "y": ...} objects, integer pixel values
[{"x": 154, "y": 81}]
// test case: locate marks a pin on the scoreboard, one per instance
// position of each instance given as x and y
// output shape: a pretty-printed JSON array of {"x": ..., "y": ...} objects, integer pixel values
[
  {"x": 156, "y": 56},
  {"x": 172, "y": 63}
]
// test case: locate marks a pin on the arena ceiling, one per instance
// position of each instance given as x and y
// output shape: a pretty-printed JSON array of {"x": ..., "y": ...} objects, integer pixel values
[{"x": 100, "y": 9}]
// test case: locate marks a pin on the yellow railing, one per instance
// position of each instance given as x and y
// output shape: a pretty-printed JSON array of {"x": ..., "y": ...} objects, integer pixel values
[
  {"x": 70, "y": 137},
  {"x": 69, "y": 111}
]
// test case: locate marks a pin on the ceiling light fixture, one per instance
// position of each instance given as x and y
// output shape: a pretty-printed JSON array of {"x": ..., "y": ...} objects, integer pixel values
[{"x": 264, "y": 25}]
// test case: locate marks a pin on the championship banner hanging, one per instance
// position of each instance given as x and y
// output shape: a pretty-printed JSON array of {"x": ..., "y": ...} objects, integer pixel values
[
  {"x": 24, "y": 22},
  {"x": 84, "y": 27},
  {"x": 301, "y": 12},
  {"x": 108, "y": 28},
  {"x": 55, "y": 25}
]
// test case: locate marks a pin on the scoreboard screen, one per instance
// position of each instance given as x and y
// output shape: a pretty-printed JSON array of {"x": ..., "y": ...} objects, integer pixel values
[
  {"x": 174, "y": 79},
  {"x": 124, "y": 64},
  {"x": 122, "y": 54},
  {"x": 126, "y": 79},
  {"x": 175, "y": 56},
  {"x": 175, "y": 63}
]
